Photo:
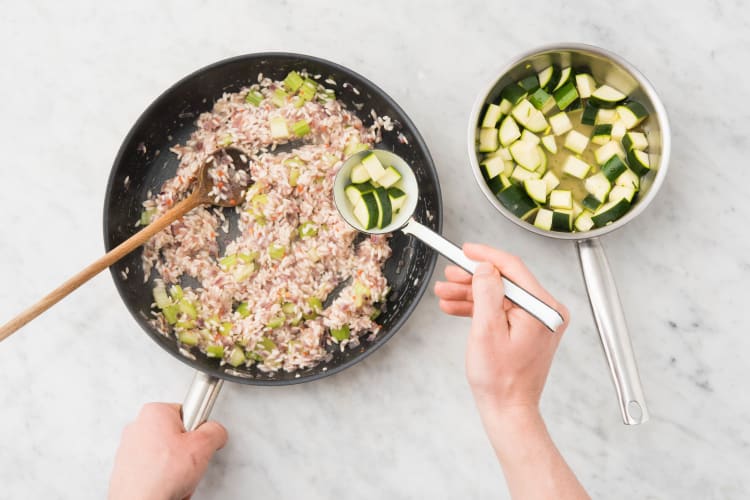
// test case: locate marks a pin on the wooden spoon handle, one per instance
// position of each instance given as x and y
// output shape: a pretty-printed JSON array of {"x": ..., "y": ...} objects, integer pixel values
[{"x": 102, "y": 263}]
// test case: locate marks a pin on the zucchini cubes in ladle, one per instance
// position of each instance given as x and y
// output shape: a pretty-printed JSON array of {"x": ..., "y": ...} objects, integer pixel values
[{"x": 374, "y": 193}]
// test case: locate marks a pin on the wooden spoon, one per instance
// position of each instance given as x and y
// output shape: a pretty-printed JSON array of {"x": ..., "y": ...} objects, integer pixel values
[{"x": 201, "y": 195}]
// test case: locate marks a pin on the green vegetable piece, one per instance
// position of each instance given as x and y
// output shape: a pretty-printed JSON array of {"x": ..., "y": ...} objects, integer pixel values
[
  {"x": 315, "y": 304},
  {"x": 276, "y": 322},
  {"x": 307, "y": 229},
  {"x": 228, "y": 262},
  {"x": 254, "y": 97},
  {"x": 267, "y": 344},
  {"x": 293, "y": 176},
  {"x": 187, "y": 307},
  {"x": 161, "y": 298},
  {"x": 288, "y": 308},
  {"x": 215, "y": 351},
  {"x": 243, "y": 310},
  {"x": 308, "y": 89},
  {"x": 147, "y": 216},
  {"x": 188, "y": 338},
  {"x": 293, "y": 81},
  {"x": 276, "y": 251},
  {"x": 170, "y": 314},
  {"x": 301, "y": 128},
  {"x": 340, "y": 334},
  {"x": 226, "y": 328},
  {"x": 279, "y": 97},
  {"x": 176, "y": 292},
  {"x": 236, "y": 357}
]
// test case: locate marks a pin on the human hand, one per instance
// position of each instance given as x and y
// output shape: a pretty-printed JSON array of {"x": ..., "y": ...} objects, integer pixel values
[
  {"x": 157, "y": 459},
  {"x": 509, "y": 352}
]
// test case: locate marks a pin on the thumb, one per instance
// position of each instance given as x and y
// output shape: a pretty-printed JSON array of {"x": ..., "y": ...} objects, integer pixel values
[
  {"x": 209, "y": 437},
  {"x": 488, "y": 291}
]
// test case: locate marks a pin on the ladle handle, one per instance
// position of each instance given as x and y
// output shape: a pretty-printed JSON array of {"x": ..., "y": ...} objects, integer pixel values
[
  {"x": 99, "y": 265},
  {"x": 199, "y": 400},
  {"x": 523, "y": 299},
  {"x": 610, "y": 321}
]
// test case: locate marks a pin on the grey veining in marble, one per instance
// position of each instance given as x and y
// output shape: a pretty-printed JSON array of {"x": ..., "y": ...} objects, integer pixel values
[{"x": 76, "y": 75}]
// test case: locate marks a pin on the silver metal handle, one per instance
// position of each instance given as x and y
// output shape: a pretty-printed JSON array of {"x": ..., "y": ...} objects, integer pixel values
[
  {"x": 523, "y": 299},
  {"x": 199, "y": 400},
  {"x": 610, "y": 321}
]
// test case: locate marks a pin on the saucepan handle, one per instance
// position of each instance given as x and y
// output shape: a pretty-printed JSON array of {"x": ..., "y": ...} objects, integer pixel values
[
  {"x": 531, "y": 304},
  {"x": 200, "y": 400},
  {"x": 610, "y": 321}
]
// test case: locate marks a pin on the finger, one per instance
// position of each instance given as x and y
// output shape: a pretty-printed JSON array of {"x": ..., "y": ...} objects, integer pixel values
[
  {"x": 457, "y": 307},
  {"x": 457, "y": 275},
  {"x": 489, "y": 295},
  {"x": 453, "y": 291},
  {"x": 510, "y": 266},
  {"x": 209, "y": 437}
]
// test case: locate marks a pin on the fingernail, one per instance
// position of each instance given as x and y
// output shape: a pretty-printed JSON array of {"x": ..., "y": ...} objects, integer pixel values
[{"x": 484, "y": 269}]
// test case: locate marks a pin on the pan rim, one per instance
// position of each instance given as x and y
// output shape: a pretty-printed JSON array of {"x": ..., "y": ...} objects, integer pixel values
[{"x": 219, "y": 371}]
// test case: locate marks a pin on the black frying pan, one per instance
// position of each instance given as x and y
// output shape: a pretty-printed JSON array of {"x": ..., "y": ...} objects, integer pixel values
[{"x": 144, "y": 159}]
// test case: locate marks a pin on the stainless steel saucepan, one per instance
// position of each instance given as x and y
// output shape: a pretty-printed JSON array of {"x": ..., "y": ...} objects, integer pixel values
[{"x": 605, "y": 302}]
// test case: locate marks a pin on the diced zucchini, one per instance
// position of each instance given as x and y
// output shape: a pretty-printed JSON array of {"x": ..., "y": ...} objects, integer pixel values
[
  {"x": 354, "y": 192},
  {"x": 278, "y": 126},
  {"x": 359, "y": 174},
  {"x": 525, "y": 154},
  {"x": 528, "y": 116},
  {"x": 628, "y": 179},
  {"x": 366, "y": 211},
  {"x": 560, "y": 123},
  {"x": 505, "y": 106},
  {"x": 530, "y": 83},
  {"x": 541, "y": 100},
  {"x": 549, "y": 77},
  {"x": 549, "y": 143},
  {"x": 390, "y": 177},
  {"x": 591, "y": 203},
  {"x": 385, "y": 212},
  {"x": 620, "y": 192},
  {"x": 639, "y": 162},
  {"x": 509, "y": 131},
  {"x": 492, "y": 167},
  {"x": 562, "y": 220},
  {"x": 576, "y": 167},
  {"x": 601, "y": 134},
  {"x": 520, "y": 174},
  {"x": 577, "y": 209},
  {"x": 536, "y": 189},
  {"x": 613, "y": 168},
  {"x": 491, "y": 116},
  {"x": 589, "y": 114},
  {"x": 635, "y": 140},
  {"x": 561, "y": 198},
  {"x": 513, "y": 93},
  {"x": 373, "y": 166},
  {"x": 605, "y": 152},
  {"x": 585, "y": 84},
  {"x": 606, "y": 97},
  {"x": 584, "y": 222},
  {"x": 529, "y": 137},
  {"x": 565, "y": 77},
  {"x": 515, "y": 199},
  {"x": 632, "y": 113},
  {"x": 576, "y": 141},
  {"x": 543, "y": 219},
  {"x": 618, "y": 130},
  {"x": 542, "y": 161},
  {"x": 496, "y": 184},
  {"x": 488, "y": 140},
  {"x": 598, "y": 185},
  {"x": 565, "y": 95},
  {"x": 606, "y": 116},
  {"x": 610, "y": 212},
  {"x": 503, "y": 153},
  {"x": 397, "y": 197},
  {"x": 551, "y": 180}
]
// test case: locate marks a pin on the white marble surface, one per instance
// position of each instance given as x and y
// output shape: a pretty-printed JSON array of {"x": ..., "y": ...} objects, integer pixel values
[{"x": 400, "y": 425}]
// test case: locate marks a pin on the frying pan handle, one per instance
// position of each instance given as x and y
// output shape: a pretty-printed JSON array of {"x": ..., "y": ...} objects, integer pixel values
[
  {"x": 610, "y": 321},
  {"x": 541, "y": 311},
  {"x": 200, "y": 400}
]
